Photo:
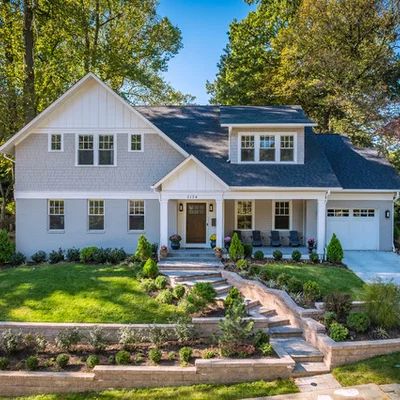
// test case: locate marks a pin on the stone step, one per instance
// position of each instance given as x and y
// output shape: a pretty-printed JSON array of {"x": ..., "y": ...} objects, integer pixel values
[
  {"x": 191, "y": 254},
  {"x": 250, "y": 304},
  {"x": 222, "y": 289},
  {"x": 278, "y": 321},
  {"x": 285, "y": 331},
  {"x": 266, "y": 312},
  {"x": 214, "y": 281},
  {"x": 187, "y": 265},
  {"x": 200, "y": 275},
  {"x": 299, "y": 349},
  {"x": 309, "y": 369}
]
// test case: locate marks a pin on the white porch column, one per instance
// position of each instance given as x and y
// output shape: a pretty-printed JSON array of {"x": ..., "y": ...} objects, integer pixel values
[
  {"x": 164, "y": 223},
  {"x": 219, "y": 215},
  {"x": 321, "y": 226}
]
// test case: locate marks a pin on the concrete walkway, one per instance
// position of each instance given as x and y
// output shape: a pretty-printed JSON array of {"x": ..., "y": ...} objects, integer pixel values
[{"x": 370, "y": 265}]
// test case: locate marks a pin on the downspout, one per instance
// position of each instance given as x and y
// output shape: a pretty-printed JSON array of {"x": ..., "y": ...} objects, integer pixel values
[
  {"x": 395, "y": 198},
  {"x": 328, "y": 193}
]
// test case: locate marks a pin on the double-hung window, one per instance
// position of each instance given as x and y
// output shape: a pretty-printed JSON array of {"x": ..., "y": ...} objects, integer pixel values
[
  {"x": 96, "y": 215},
  {"x": 56, "y": 142},
  {"x": 96, "y": 149},
  {"x": 267, "y": 148},
  {"x": 282, "y": 215},
  {"x": 287, "y": 148},
  {"x": 106, "y": 150},
  {"x": 56, "y": 215},
  {"x": 247, "y": 152},
  {"x": 244, "y": 215},
  {"x": 86, "y": 150},
  {"x": 136, "y": 215},
  {"x": 136, "y": 142}
]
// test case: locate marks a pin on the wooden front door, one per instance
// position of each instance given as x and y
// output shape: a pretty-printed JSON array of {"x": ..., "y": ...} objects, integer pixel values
[{"x": 196, "y": 222}]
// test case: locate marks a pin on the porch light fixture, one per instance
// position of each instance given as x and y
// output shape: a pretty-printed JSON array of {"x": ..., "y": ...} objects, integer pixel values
[
  {"x": 180, "y": 207},
  {"x": 211, "y": 207},
  {"x": 387, "y": 214}
]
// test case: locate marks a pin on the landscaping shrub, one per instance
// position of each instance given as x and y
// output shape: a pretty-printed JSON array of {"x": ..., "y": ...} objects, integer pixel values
[
  {"x": 154, "y": 250},
  {"x": 266, "y": 349},
  {"x": 17, "y": 259},
  {"x": 260, "y": 338},
  {"x": 314, "y": 257},
  {"x": 62, "y": 360},
  {"x": 148, "y": 285},
  {"x": 277, "y": 254},
  {"x": 67, "y": 338},
  {"x": 73, "y": 255},
  {"x": 268, "y": 273},
  {"x": 101, "y": 256},
  {"x": 171, "y": 356},
  {"x": 178, "y": 291},
  {"x": 339, "y": 303},
  {"x": 358, "y": 321},
  {"x": 380, "y": 333},
  {"x": 296, "y": 255},
  {"x": 129, "y": 337},
  {"x": 311, "y": 291},
  {"x": 232, "y": 296},
  {"x": 144, "y": 250},
  {"x": 334, "y": 251},
  {"x": 259, "y": 255},
  {"x": 254, "y": 270},
  {"x": 208, "y": 354},
  {"x": 56, "y": 256},
  {"x": 88, "y": 255},
  {"x": 283, "y": 279},
  {"x": 150, "y": 268},
  {"x": 116, "y": 256},
  {"x": 247, "y": 250},
  {"x": 122, "y": 357},
  {"x": 383, "y": 304},
  {"x": 92, "y": 361},
  {"x": 329, "y": 317},
  {"x": 165, "y": 297},
  {"x": 35, "y": 343},
  {"x": 294, "y": 285},
  {"x": 96, "y": 339},
  {"x": 39, "y": 257},
  {"x": 236, "y": 250},
  {"x": 6, "y": 247},
  {"x": 161, "y": 282},
  {"x": 32, "y": 363},
  {"x": 155, "y": 356},
  {"x": 139, "y": 358},
  {"x": 204, "y": 290},
  {"x": 184, "y": 329},
  {"x": 187, "y": 306},
  {"x": 338, "y": 332},
  {"x": 11, "y": 342},
  {"x": 4, "y": 362},
  {"x": 158, "y": 335},
  {"x": 185, "y": 354},
  {"x": 242, "y": 264}
]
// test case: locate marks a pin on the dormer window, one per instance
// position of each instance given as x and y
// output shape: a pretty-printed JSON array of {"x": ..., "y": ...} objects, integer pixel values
[
  {"x": 287, "y": 148},
  {"x": 247, "y": 148},
  {"x": 267, "y": 148}
]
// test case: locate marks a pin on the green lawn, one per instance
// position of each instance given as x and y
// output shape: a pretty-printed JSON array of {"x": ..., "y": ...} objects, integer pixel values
[
  {"x": 77, "y": 293},
  {"x": 198, "y": 392},
  {"x": 329, "y": 278},
  {"x": 380, "y": 370}
]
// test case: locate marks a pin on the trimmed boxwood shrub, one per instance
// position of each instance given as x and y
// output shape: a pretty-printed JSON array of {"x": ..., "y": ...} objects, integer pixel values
[
  {"x": 329, "y": 317},
  {"x": 6, "y": 247},
  {"x": 358, "y": 321},
  {"x": 338, "y": 332},
  {"x": 148, "y": 285},
  {"x": 62, "y": 360},
  {"x": 155, "y": 356},
  {"x": 179, "y": 291},
  {"x": 277, "y": 254},
  {"x": 259, "y": 255},
  {"x": 123, "y": 357},
  {"x": 32, "y": 363},
  {"x": 247, "y": 250},
  {"x": 165, "y": 297},
  {"x": 150, "y": 268},
  {"x": 17, "y": 259},
  {"x": 161, "y": 282},
  {"x": 311, "y": 291},
  {"x": 87, "y": 255},
  {"x": 296, "y": 255},
  {"x": 334, "y": 251},
  {"x": 205, "y": 290},
  {"x": 92, "y": 361},
  {"x": 39, "y": 257},
  {"x": 185, "y": 354},
  {"x": 73, "y": 255},
  {"x": 314, "y": 257}
]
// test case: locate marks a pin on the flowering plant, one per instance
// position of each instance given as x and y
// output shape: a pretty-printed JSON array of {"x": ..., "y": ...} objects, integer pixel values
[
  {"x": 175, "y": 238},
  {"x": 213, "y": 237},
  {"x": 311, "y": 242},
  {"x": 227, "y": 239},
  {"x": 163, "y": 248}
]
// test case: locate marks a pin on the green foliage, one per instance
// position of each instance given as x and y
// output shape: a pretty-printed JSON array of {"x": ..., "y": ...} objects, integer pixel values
[
  {"x": 123, "y": 357},
  {"x": 185, "y": 354},
  {"x": 11, "y": 342},
  {"x": 329, "y": 317},
  {"x": 155, "y": 356},
  {"x": 283, "y": 279},
  {"x": 232, "y": 296},
  {"x": 294, "y": 285},
  {"x": 88, "y": 255},
  {"x": 247, "y": 250},
  {"x": 339, "y": 303},
  {"x": 148, "y": 285},
  {"x": 184, "y": 329},
  {"x": 314, "y": 257},
  {"x": 204, "y": 290},
  {"x": 39, "y": 257},
  {"x": 311, "y": 291},
  {"x": 67, "y": 338},
  {"x": 56, "y": 256},
  {"x": 242, "y": 264},
  {"x": 296, "y": 255},
  {"x": 4, "y": 362},
  {"x": 259, "y": 255},
  {"x": 383, "y": 304},
  {"x": 129, "y": 337},
  {"x": 358, "y": 321},
  {"x": 116, "y": 256},
  {"x": 267, "y": 349},
  {"x": 96, "y": 339},
  {"x": 6, "y": 247},
  {"x": 178, "y": 291},
  {"x": 92, "y": 361},
  {"x": 171, "y": 356},
  {"x": 62, "y": 360},
  {"x": 161, "y": 282},
  {"x": 165, "y": 297},
  {"x": 236, "y": 249},
  {"x": 338, "y": 332},
  {"x": 32, "y": 363},
  {"x": 334, "y": 251},
  {"x": 150, "y": 268},
  {"x": 73, "y": 255},
  {"x": 254, "y": 270},
  {"x": 260, "y": 338},
  {"x": 277, "y": 254},
  {"x": 208, "y": 354},
  {"x": 17, "y": 259},
  {"x": 144, "y": 250}
]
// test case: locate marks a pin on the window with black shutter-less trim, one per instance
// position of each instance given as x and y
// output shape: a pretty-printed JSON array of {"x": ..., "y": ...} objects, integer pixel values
[
  {"x": 85, "y": 150},
  {"x": 136, "y": 215},
  {"x": 106, "y": 150},
  {"x": 56, "y": 215},
  {"x": 282, "y": 215},
  {"x": 96, "y": 215}
]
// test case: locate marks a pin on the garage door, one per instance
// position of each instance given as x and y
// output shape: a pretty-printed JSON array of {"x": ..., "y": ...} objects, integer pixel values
[{"x": 356, "y": 228}]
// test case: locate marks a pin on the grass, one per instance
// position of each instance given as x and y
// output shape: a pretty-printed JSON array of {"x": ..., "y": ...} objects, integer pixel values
[
  {"x": 197, "y": 392},
  {"x": 329, "y": 278},
  {"x": 380, "y": 370},
  {"x": 77, "y": 293}
]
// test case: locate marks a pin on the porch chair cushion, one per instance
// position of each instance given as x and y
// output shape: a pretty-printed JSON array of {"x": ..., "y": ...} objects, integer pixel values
[
  {"x": 294, "y": 240},
  {"x": 275, "y": 239},
  {"x": 256, "y": 239}
]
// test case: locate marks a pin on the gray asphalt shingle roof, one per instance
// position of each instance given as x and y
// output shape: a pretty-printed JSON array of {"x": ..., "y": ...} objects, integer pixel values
[{"x": 330, "y": 160}]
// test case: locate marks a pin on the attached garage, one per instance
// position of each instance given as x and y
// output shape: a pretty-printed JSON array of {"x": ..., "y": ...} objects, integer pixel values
[{"x": 356, "y": 228}]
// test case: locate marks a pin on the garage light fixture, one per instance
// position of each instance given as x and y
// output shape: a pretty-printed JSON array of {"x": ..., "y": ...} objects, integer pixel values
[
  {"x": 387, "y": 214},
  {"x": 180, "y": 207},
  {"x": 211, "y": 208}
]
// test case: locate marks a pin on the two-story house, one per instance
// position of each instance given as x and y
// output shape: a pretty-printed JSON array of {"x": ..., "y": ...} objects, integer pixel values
[{"x": 93, "y": 170}]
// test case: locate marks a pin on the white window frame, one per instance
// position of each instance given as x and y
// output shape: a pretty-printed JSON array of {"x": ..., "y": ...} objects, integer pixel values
[
  {"x": 144, "y": 215},
  {"x": 130, "y": 142},
  {"x": 290, "y": 215},
  {"x": 252, "y": 215},
  {"x": 89, "y": 215},
  {"x": 277, "y": 136},
  {"x": 50, "y": 135},
  {"x": 48, "y": 216},
  {"x": 95, "y": 149}
]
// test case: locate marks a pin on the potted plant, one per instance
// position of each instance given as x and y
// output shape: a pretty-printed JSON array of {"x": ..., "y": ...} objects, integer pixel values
[
  {"x": 175, "y": 241},
  {"x": 218, "y": 251},
  {"x": 163, "y": 251},
  {"x": 213, "y": 240},
  {"x": 311, "y": 244},
  {"x": 227, "y": 242}
]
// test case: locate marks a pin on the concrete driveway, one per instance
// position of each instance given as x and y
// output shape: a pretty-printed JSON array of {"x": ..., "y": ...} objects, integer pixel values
[{"x": 370, "y": 265}]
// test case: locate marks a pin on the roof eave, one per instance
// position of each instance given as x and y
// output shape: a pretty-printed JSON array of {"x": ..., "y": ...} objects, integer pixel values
[{"x": 269, "y": 125}]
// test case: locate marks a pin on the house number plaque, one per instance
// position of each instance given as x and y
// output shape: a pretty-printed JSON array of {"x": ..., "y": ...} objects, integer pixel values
[{"x": 191, "y": 196}]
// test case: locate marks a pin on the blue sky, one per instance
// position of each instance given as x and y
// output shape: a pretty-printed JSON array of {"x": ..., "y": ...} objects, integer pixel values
[{"x": 204, "y": 25}]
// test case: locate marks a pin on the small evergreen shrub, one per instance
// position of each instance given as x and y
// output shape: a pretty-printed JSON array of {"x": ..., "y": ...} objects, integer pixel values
[
  {"x": 242, "y": 264},
  {"x": 88, "y": 255},
  {"x": 144, "y": 250},
  {"x": 4, "y": 362},
  {"x": 296, "y": 255},
  {"x": 39, "y": 257},
  {"x": 277, "y": 254},
  {"x": 6, "y": 247},
  {"x": 329, "y": 317},
  {"x": 139, "y": 358},
  {"x": 267, "y": 349},
  {"x": 314, "y": 257},
  {"x": 178, "y": 291},
  {"x": 294, "y": 285},
  {"x": 185, "y": 354},
  {"x": 96, "y": 339},
  {"x": 56, "y": 256},
  {"x": 204, "y": 290},
  {"x": 101, "y": 256},
  {"x": 171, "y": 356},
  {"x": 73, "y": 255},
  {"x": 17, "y": 259},
  {"x": 358, "y": 321},
  {"x": 339, "y": 303},
  {"x": 62, "y": 360},
  {"x": 92, "y": 361},
  {"x": 254, "y": 270},
  {"x": 334, "y": 251},
  {"x": 122, "y": 357},
  {"x": 32, "y": 363},
  {"x": 148, "y": 285},
  {"x": 268, "y": 273},
  {"x": 247, "y": 250},
  {"x": 150, "y": 268},
  {"x": 338, "y": 332},
  {"x": 116, "y": 256},
  {"x": 260, "y": 338},
  {"x": 283, "y": 279},
  {"x": 232, "y": 296},
  {"x": 236, "y": 250},
  {"x": 208, "y": 354},
  {"x": 155, "y": 356},
  {"x": 311, "y": 291},
  {"x": 161, "y": 282},
  {"x": 259, "y": 255},
  {"x": 165, "y": 297},
  {"x": 68, "y": 338}
]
